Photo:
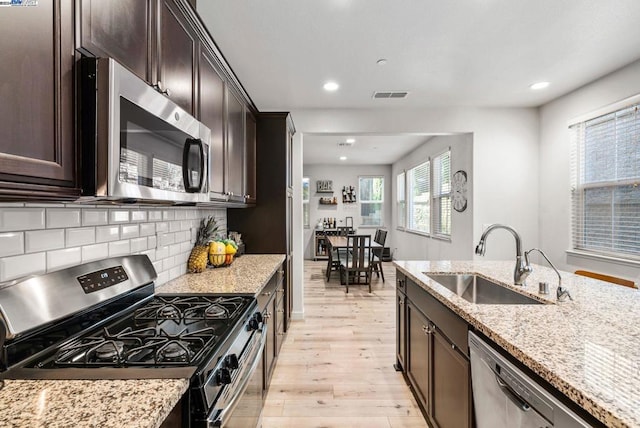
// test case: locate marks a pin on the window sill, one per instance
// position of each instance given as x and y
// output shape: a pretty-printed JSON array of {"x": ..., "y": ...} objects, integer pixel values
[
  {"x": 442, "y": 238},
  {"x": 417, "y": 232},
  {"x": 602, "y": 258}
]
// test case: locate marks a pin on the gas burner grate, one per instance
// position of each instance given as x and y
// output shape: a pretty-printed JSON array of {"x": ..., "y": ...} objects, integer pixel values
[{"x": 190, "y": 308}]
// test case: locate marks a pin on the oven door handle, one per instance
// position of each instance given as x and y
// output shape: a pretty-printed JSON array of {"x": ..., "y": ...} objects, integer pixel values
[{"x": 219, "y": 419}]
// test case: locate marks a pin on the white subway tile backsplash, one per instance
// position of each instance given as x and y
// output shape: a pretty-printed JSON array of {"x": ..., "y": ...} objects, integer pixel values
[
  {"x": 80, "y": 236},
  {"x": 119, "y": 248},
  {"x": 63, "y": 217},
  {"x": 19, "y": 266},
  {"x": 174, "y": 249},
  {"x": 43, "y": 240},
  {"x": 176, "y": 272},
  {"x": 138, "y": 215},
  {"x": 162, "y": 252},
  {"x": 138, "y": 244},
  {"x": 16, "y": 219},
  {"x": 11, "y": 244},
  {"x": 147, "y": 229},
  {"x": 107, "y": 233},
  {"x": 118, "y": 216},
  {"x": 35, "y": 238},
  {"x": 94, "y": 217},
  {"x": 95, "y": 252},
  {"x": 154, "y": 215},
  {"x": 129, "y": 231},
  {"x": 63, "y": 258}
]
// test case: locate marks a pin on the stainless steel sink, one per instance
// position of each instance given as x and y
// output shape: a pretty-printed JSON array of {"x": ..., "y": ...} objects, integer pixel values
[{"x": 477, "y": 289}]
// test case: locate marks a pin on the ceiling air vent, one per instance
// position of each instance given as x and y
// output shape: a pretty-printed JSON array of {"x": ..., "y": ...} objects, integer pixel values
[{"x": 391, "y": 94}]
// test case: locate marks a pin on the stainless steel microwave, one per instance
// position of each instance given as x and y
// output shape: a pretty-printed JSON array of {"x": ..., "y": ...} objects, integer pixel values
[{"x": 137, "y": 144}]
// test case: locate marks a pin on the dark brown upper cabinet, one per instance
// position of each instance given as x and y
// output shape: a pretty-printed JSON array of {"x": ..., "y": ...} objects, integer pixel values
[
  {"x": 250, "y": 159},
  {"x": 177, "y": 54},
  {"x": 37, "y": 145},
  {"x": 235, "y": 147},
  {"x": 120, "y": 29},
  {"x": 212, "y": 115}
]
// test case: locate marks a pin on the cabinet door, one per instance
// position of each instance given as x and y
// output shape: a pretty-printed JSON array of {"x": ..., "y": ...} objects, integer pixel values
[
  {"x": 401, "y": 337},
  {"x": 37, "y": 142},
  {"x": 119, "y": 29},
  {"x": 270, "y": 351},
  {"x": 235, "y": 146},
  {"x": 250, "y": 158},
  {"x": 419, "y": 355},
  {"x": 177, "y": 41},
  {"x": 211, "y": 99},
  {"x": 451, "y": 398}
]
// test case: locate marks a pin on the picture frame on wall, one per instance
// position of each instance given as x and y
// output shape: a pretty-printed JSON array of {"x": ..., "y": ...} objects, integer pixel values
[{"x": 324, "y": 186}]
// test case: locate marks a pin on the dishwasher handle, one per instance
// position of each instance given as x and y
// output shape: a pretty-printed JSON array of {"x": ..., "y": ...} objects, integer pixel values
[{"x": 512, "y": 395}]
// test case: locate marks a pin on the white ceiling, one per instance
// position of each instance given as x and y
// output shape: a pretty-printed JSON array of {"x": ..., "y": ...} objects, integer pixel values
[{"x": 481, "y": 53}]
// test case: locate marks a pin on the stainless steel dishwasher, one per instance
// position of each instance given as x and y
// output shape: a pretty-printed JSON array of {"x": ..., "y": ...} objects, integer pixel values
[{"x": 505, "y": 397}]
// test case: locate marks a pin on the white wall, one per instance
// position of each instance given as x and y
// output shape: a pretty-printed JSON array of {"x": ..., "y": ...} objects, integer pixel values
[
  {"x": 555, "y": 209},
  {"x": 412, "y": 246},
  {"x": 40, "y": 238},
  {"x": 505, "y": 158},
  {"x": 344, "y": 175}
]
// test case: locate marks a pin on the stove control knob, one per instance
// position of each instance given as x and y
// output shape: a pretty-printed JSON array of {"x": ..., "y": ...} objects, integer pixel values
[
  {"x": 231, "y": 361},
  {"x": 258, "y": 317},
  {"x": 253, "y": 324},
  {"x": 223, "y": 377}
]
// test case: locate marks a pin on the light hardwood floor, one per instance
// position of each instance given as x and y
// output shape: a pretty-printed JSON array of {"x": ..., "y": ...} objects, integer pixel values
[{"x": 336, "y": 366}]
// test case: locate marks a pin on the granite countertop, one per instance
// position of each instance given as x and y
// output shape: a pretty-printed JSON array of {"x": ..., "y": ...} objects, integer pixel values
[
  {"x": 246, "y": 275},
  {"x": 587, "y": 348},
  {"x": 139, "y": 403},
  {"x": 89, "y": 403}
]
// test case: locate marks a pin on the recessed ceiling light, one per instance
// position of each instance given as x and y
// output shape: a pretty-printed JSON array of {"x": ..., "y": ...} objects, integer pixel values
[
  {"x": 381, "y": 61},
  {"x": 331, "y": 86},
  {"x": 343, "y": 158},
  {"x": 351, "y": 140},
  {"x": 539, "y": 85}
]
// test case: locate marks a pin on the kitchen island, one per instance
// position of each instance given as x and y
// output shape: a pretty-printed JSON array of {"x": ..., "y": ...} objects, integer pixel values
[
  {"x": 586, "y": 348},
  {"x": 143, "y": 403}
]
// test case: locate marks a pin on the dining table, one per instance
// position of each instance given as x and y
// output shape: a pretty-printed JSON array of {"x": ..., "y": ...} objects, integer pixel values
[{"x": 341, "y": 242}]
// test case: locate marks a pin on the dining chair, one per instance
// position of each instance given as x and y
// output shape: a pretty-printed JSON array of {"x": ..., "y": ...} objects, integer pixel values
[
  {"x": 607, "y": 278},
  {"x": 355, "y": 262},
  {"x": 333, "y": 260},
  {"x": 376, "y": 260}
]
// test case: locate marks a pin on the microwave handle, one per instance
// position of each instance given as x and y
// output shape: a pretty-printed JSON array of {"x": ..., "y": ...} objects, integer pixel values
[{"x": 185, "y": 163}]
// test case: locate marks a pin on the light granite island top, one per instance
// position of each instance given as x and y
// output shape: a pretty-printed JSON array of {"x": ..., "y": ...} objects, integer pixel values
[
  {"x": 143, "y": 403},
  {"x": 588, "y": 348}
]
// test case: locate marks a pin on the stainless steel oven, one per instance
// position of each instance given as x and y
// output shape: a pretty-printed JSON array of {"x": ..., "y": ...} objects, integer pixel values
[
  {"x": 101, "y": 320},
  {"x": 137, "y": 144}
]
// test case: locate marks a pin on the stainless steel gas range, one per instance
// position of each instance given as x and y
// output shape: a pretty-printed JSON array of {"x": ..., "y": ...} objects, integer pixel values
[{"x": 101, "y": 320}]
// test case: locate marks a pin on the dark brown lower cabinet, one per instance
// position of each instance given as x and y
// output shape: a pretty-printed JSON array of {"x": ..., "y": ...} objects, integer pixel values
[
  {"x": 451, "y": 400},
  {"x": 436, "y": 364},
  {"x": 419, "y": 346},
  {"x": 271, "y": 304}
]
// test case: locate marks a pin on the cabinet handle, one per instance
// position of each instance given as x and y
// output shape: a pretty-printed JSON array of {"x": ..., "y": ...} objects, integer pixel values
[
  {"x": 159, "y": 87},
  {"x": 453, "y": 346},
  {"x": 426, "y": 329},
  {"x": 267, "y": 293}
]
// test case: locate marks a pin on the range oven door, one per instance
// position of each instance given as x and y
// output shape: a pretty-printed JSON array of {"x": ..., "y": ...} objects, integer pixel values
[
  {"x": 137, "y": 143},
  {"x": 243, "y": 406}
]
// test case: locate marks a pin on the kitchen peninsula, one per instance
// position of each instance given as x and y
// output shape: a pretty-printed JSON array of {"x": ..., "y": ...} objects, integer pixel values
[{"x": 585, "y": 348}]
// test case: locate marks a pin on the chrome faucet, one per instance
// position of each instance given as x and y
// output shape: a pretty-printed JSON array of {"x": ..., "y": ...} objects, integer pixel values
[
  {"x": 561, "y": 292},
  {"x": 522, "y": 269}
]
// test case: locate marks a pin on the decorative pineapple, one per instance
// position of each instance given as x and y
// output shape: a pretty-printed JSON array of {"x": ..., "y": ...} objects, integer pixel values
[{"x": 200, "y": 253}]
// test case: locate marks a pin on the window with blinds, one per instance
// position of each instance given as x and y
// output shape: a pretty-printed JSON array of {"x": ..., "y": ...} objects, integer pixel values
[
  {"x": 605, "y": 183},
  {"x": 419, "y": 198},
  {"x": 306, "y": 221},
  {"x": 371, "y": 200},
  {"x": 401, "y": 201},
  {"x": 442, "y": 194}
]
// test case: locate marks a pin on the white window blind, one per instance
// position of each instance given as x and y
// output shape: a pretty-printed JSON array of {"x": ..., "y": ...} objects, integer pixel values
[
  {"x": 442, "y": 194},
  {"x": 418, "y": 180},
  {"x": 371, "y": 200},
  {"x": 305, "y": 202},
  {"x": 401, "y": 201},
  {"x": 605, "y": 184}
]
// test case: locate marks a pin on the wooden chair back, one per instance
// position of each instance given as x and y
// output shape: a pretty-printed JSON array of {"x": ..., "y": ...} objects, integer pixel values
[
  {"x": 607, "y": 278},
  {"x": 356, "y": 267}
]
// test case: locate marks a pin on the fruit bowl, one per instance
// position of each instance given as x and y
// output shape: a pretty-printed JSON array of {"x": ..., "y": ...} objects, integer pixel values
[{"x": 221, "y": 253}]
